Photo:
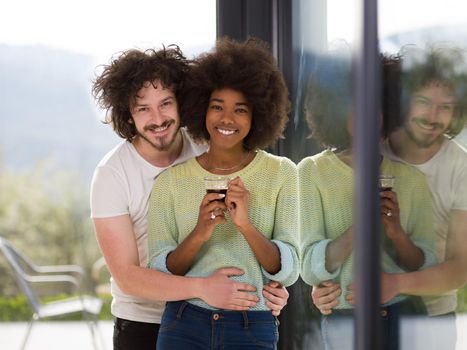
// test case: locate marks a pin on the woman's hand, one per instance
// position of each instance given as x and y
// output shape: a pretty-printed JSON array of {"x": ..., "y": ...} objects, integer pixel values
[
  {"x": 266, "y": 252},
  {"x": 390, "y": 214},
  {"x": 211, "y": 214},
  {"x": 237, "y": 203},
  {"x": 408, "y": 255}
]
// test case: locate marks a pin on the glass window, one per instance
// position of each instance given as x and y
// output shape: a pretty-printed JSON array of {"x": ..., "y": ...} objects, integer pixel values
[
  {"x": 423, "y": 212},
  {"x": 430, "y": 40}
]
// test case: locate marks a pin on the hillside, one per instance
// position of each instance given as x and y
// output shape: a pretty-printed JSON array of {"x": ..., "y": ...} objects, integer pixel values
[{"x": 47, "y": 111}]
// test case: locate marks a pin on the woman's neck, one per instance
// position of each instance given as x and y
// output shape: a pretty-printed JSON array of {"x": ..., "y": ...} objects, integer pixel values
[
  {"x": 345, "y": 156},
  {"x": 220, "y": 161}
]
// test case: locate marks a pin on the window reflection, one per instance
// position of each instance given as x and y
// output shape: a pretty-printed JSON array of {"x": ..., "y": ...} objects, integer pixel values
[
  {"x": 424, "y": 102},
  {"x": 433, "y": 110}
]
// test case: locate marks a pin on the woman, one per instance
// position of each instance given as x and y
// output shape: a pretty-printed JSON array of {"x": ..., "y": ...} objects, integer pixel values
[
  {"x": 326, "y": 203},
  {"x": 237, "y": 103}
]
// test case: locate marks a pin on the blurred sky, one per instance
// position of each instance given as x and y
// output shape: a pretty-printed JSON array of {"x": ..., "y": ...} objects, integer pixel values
[
  {"x": 101, "y": 28},
  {"x": 396, "y": 16}
]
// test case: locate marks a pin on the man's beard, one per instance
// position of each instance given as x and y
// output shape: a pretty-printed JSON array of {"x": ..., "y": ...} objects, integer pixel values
[
  {"x": 161, "y": 143},
  {"x": 427, "y": 141}
]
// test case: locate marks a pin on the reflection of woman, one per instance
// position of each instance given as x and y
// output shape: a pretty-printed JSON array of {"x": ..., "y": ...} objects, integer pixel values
[
  {"x": 326, "y": 199},
  {"x": 237, "y": 102}
]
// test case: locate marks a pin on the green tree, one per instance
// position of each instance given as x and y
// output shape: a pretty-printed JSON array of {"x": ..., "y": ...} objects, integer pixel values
[{"x": 44, "y": 212}]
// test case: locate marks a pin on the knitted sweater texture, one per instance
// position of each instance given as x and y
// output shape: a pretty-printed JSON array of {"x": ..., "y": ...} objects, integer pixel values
[
  {"x": 327, "y": 202},
  {"x": 273, "y": 209}
]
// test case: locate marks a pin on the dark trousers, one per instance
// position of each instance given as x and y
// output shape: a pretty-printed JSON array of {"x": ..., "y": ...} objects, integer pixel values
[{"x": 131, "y": 335}]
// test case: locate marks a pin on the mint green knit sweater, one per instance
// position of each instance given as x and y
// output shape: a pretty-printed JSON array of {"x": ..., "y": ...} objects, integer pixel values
[
  {"x": 273, "y": 210},
  {"x": 326, "y": 202}
]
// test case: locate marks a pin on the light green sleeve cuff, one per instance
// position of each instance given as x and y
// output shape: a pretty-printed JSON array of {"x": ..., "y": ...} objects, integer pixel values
[
  {"x": 288, "y": 273},
  {"x": 159, "y": 262},
  {"x": 318, "y": 262},
  {"x": 428, "y": 254}
]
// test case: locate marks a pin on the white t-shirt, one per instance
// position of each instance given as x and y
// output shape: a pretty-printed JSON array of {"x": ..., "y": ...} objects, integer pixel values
[
  {"x": 446, "y": 175},
  {"x": 461, "y": 138},
  {"x": 122, "y": 184}
]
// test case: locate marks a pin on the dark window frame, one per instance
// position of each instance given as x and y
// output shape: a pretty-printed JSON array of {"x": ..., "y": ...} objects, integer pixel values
[{"x": 272, "y": 21}]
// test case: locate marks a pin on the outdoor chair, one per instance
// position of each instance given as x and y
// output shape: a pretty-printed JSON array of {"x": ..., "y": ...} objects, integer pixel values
[
  {"x": 29, "y": 275},
  {"x": 99, "y": 271}
]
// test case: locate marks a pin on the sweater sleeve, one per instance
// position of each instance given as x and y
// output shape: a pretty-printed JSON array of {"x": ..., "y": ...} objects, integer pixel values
[
  {"x": 312, "y": 230},
  {"x": 286, "y": 226},
  {"x": 162, "y": 233},
  {"x": 420, "y": 222}
]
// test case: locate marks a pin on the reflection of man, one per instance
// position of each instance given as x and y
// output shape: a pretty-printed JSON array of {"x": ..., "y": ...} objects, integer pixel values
[
  {"x": 436, "y": 112},
  {"x": 326, "y": 197},
  {"x": 140, "y": 90},
  {"x": 461, "y": 139}
]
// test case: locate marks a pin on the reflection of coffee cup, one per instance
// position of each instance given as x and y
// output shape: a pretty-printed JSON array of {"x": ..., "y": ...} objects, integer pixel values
[
  {"x": 386, "y": 182},
  {"x": 217, "y": 184}
]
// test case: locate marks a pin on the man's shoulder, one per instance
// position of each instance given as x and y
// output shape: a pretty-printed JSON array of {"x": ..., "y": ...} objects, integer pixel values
[
  {"x": 191, "y": 147},
  {"x": 124, "y": 161},
  {"x": 452, "y": 157},
  {"x": 452, "y": 147},
  {"x": 115, "y": 154}
]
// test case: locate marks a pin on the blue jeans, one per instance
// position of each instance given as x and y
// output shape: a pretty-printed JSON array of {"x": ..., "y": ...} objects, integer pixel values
[
  {"x": 429, "y": 332},
  {"x": 337, "y": 329},
  {"x": 189, "y": 327}
]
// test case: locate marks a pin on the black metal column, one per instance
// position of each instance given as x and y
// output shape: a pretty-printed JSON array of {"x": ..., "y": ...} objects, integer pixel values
[
  {"x": 240, "y": 19},
  {"x": 367, "y": 215}
]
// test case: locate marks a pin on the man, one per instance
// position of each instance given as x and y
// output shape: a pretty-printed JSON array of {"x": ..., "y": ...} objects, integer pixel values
[
  {"x": 140, "y": 92},
  {"x": 326, "y": 198},
  {"x": 436, "y": 85}
]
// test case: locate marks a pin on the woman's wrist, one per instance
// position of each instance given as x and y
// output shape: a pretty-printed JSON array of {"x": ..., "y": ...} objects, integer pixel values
[{"x": 246, "y": 228}]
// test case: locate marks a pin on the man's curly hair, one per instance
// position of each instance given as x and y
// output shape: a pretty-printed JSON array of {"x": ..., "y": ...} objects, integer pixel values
[
  {"x": 248, "y": 67},
  {"x": 116, "y": 89},
  {"x": 436, "y": 65}
]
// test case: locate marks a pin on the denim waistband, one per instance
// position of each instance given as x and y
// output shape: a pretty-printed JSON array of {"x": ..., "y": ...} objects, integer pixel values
[
  {"x": 184, "y": 308},
  {"x": 409, "y": 306},
  {"x": 451, "y": 314}
]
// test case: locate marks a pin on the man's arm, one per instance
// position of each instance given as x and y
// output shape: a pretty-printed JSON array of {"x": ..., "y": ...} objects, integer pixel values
[
  {"x": 437, "y": 279},
  {"x": 116, "y": 240},
  {"x": 276, "y": 297},
  {"x": 448, "y": 275}
]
